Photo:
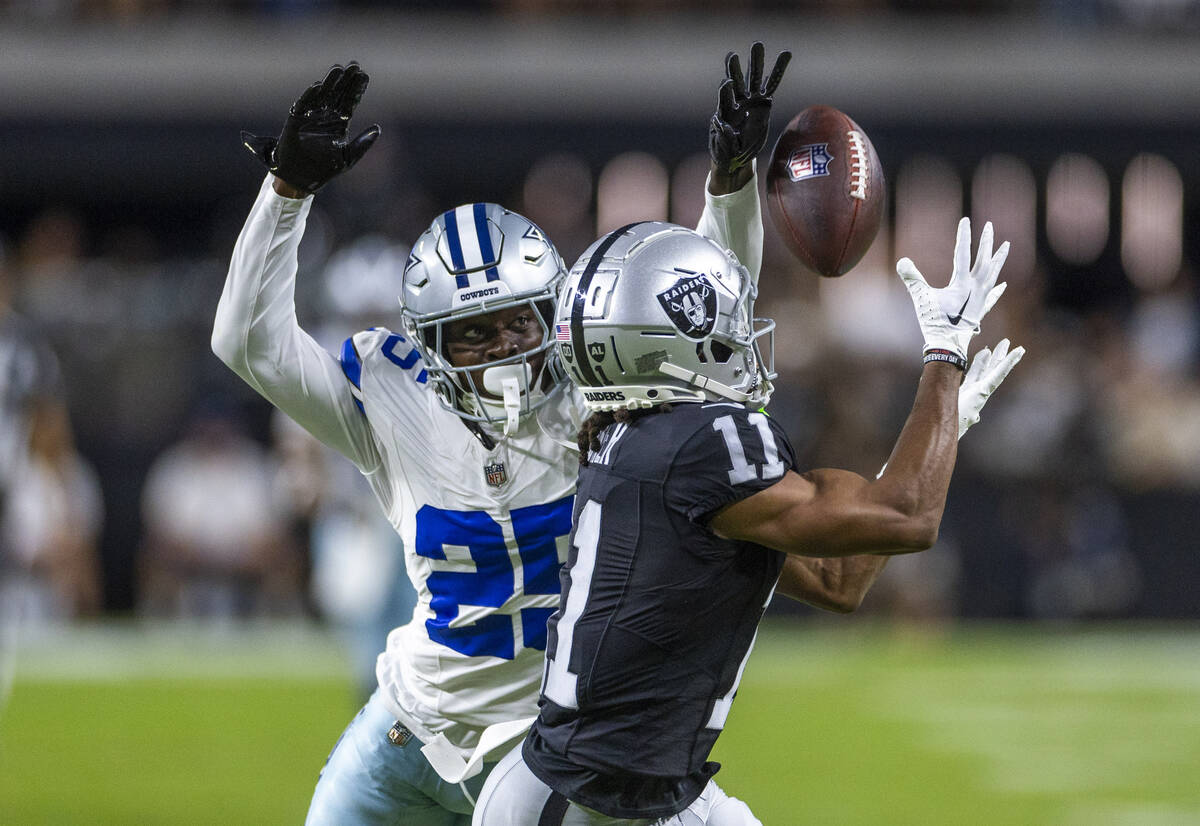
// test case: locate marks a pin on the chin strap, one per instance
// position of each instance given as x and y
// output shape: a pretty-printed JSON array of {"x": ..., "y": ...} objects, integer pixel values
[
  {"x": 507, "y": 381},
  {"x": 702, "y": 382},
  {"x": 512, "y": 404}
]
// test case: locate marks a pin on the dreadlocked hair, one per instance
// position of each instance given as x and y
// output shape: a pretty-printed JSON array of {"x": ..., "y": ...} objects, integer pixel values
[{"x": 594, "y": 425}]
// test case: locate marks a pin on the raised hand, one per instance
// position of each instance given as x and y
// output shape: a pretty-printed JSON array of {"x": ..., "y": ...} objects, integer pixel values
[
  {"x": 988, "y": 369},
  {"x": 950, "y": 316},
  {"x": 314, "y": 145},
  {"x": 738, "y": 130}
]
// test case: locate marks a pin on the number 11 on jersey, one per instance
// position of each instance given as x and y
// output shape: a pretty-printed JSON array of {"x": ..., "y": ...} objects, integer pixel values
[{"x": 560, "y": 682}]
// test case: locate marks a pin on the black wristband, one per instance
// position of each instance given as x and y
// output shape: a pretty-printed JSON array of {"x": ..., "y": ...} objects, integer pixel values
[{"x": 948, "y": 356}]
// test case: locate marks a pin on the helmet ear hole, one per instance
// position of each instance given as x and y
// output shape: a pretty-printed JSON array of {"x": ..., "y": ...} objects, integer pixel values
[
  {"x": 430, "y": 336},
  {"x": 721, "y": 352}
]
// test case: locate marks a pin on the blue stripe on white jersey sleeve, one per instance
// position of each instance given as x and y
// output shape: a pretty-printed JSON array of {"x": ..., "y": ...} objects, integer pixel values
[{"x": 352, "y": 367}]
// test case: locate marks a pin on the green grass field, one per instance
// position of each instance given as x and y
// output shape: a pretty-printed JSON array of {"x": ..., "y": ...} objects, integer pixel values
[{"x": 870, "y": 725}]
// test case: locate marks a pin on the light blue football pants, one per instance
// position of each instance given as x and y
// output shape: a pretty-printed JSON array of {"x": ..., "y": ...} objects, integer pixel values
[{"x": 369, "y": 781}]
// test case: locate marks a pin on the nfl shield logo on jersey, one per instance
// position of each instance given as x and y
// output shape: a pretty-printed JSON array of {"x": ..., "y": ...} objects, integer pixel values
[
  {"x": 810, "y": 161},
  {"x": 495, "y": 474},
  {"x": 691, "y": 305}
]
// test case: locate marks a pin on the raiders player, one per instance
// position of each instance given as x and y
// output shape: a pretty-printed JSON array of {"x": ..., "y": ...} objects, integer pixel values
[
  {"x": 690, "y": 513},
  {"x": 463, "y": 423}
]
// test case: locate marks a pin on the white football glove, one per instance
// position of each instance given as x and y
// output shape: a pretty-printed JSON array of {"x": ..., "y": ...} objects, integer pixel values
[
  {"x": 950, "y": 316},
  {"x": 988, "y": 369}
]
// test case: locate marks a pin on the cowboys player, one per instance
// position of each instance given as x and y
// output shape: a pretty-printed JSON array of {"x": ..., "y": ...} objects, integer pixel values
[
  {"x": 690, "y": 513},
  {"x": 464, "y": 425}
]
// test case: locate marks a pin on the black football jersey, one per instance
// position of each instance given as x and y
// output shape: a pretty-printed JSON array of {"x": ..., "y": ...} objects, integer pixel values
[{"x": 658, "y": 614}]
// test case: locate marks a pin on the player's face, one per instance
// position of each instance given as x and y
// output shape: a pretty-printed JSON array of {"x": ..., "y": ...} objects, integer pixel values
[{"x": 488, "y": 338}]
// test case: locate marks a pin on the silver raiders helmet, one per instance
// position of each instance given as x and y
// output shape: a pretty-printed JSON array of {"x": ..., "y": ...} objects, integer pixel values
[
  {"x": 654, "y": 313},
  {"x": 477, "y": 259}
]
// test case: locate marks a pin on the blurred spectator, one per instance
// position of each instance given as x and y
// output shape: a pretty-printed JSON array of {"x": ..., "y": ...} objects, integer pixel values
[
  {"x": 557, "y": 196},
  {"x": 214, "y": 544},
  {"x": 52, "y": 523},
  {"x": 920, "y": 587},
  {"x": 1148, "y": 394},
  {"x": 50, "y": 510},
  {"x": 358, "y": 581},
  {"x": 1074, "y": 543}
]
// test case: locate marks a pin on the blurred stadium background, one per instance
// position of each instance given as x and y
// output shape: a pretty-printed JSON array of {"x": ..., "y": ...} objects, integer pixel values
[{"x": 1072, "y": 517}]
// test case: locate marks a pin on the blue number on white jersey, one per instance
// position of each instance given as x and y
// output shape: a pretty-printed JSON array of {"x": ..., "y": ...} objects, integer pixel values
[
  {"x": 536, "y": 529},
  {"x": 406, "y": 362}
]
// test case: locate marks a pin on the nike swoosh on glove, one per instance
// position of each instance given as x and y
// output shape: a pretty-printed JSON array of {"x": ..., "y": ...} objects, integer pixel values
[{"x": 950, "y": 316}]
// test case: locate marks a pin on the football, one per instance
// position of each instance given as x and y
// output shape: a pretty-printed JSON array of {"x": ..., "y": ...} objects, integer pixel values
[{"x": 825, "y": 190}]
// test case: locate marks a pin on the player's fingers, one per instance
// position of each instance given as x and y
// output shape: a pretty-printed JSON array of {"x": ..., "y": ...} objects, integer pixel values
[
  {"x": 260, "y": 147},
  {"x": 781, "y": 63},
  {"x": 978, "y": 367},
  {"x": 329, "y": 84},
  {"x": 998, "y": 260},
  {"x": 359, "y": 146},
  {"x": 984, "y": 253},
  {"x": 341, "y": 88},
  {"x": 962, "y": 250},
  {"x": 757, "y": 58},
  {"x": 1001, "y": 369},
  {"x": 992, "y": 297},
  {"x": 308, "y": 99},
  {"x": 726, "y": 104},
  {"x": 733, "y": 71},
  {"x": 1001, "y": 350},
  {"x": 909, "y": 273},
  {"x": 351, "y": 90}
]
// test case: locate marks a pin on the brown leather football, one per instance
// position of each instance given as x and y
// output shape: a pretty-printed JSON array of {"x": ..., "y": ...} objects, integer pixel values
[{"x": 825, "y": 190}]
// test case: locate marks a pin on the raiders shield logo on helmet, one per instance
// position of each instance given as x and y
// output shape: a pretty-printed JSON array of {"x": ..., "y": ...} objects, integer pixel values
[{"x": 691, "y": 304}]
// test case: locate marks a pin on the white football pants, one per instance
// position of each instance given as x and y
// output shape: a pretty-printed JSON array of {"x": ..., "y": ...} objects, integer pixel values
[{"x": 514, "y": 796}]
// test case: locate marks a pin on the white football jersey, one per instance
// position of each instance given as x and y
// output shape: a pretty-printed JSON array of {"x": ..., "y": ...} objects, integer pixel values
[
  {"x": 484, "y": 531},
  {"x": 484, "y": 534}
]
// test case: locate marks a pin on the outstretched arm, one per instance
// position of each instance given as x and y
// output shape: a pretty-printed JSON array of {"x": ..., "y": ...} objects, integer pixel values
[
  {"x": 839, "y": 513},
  {"x": 255, "y": 331},
  {"x": 834, "y": 513},
  {"x": 839, "y": 584}
]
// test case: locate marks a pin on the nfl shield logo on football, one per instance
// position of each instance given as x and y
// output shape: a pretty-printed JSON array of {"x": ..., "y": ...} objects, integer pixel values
[
  {"x": 495, "y": 474},
  {"x": 811, "y": 161}
]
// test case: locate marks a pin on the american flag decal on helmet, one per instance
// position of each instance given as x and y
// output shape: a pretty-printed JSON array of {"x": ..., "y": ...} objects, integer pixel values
[{"x": 562, "y": 332}]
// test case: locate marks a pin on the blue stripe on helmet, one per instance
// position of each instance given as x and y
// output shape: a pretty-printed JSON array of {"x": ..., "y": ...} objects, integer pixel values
[
  {"x": 485, "y": 240},
  {"x": 456, "y": 252}
]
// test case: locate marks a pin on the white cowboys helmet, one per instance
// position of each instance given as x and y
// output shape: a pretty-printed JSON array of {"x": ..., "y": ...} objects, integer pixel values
[
  {"x": 477, "y": 259},
  {"x": 654, "y": 313}
]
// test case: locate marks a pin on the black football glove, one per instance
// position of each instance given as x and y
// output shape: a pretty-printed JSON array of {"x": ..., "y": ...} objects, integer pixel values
[
  {"x": 313, "y": 146},
  {"x": 739, "y": 127}
]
